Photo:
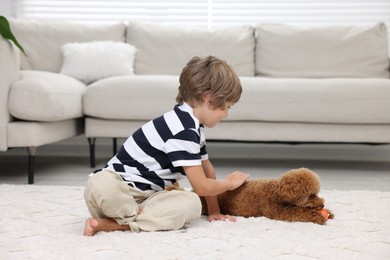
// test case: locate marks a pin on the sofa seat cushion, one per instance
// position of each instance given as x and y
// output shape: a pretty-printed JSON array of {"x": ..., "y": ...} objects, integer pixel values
[
  {"x": 34, "y": 134},
  {"x": 344, "y": 100},
  {"x": 131, "y": 97},
  {"x": 166, "y": 49},
  {"x": 46, "y": 96},
  {"x": 322, "y": 51}
]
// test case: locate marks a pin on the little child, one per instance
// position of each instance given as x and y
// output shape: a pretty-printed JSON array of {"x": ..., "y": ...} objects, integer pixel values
[{"x": 129, "y": 192}]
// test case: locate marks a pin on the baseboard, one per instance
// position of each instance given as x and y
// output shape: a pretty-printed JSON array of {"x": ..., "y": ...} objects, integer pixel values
[{"x": 78, "y": 146}]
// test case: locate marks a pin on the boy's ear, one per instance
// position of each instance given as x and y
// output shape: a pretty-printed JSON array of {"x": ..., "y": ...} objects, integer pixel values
[{"x": 207, "y": 99}]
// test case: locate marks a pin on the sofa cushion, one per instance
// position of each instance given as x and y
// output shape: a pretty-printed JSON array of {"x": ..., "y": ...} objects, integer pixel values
[
  {"x": 91, "y": 61},
  {"x": 322, "y": 51},
  {"x": 42, "y": 40},
  {"x": 344, "y": 100},
  {"x": 131, "y": 97},
  {"x": 34, "y": 134},
  {"x": 46, "y": 96},
  {"x": 165, "y": 49}
]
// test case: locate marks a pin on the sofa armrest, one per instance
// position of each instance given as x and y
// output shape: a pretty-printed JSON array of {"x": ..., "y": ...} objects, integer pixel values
[{"x": 9, "y": 73}]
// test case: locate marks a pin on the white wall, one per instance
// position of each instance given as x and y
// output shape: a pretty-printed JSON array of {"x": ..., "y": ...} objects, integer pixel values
[{"x": 5, "y": 8}]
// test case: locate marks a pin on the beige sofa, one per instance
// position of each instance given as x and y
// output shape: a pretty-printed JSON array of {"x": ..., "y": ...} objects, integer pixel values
[{"x": 301, "y": 84}]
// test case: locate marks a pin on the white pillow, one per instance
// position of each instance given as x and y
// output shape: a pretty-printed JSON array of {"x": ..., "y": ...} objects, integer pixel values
[{"x": 92, "y": 61}]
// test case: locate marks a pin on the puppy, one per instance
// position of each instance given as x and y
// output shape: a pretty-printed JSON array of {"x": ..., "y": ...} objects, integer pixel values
[{"x": 292, "y": 197}]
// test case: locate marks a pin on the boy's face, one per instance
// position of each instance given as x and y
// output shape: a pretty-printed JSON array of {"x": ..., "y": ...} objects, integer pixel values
[{"x": 210, "y": 116}]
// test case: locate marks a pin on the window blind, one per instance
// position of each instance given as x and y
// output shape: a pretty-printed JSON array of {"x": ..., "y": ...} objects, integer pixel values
[
  {"x": 177, "y": 12},
  {"x": 300, "y": 12},
  {"x": 208, "y": 13}
]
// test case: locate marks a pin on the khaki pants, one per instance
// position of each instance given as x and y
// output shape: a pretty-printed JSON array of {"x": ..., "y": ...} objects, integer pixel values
[{"x": 108, "y": 196}]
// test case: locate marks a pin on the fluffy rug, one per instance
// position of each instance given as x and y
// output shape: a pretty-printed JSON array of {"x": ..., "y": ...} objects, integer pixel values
[{"x": 46, "y": 222}]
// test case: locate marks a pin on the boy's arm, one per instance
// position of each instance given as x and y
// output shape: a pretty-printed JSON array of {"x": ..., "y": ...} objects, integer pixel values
[
  {"x": 211, "y": 201},
  {"x": 204, "y": 183},
  {"x": 214, "y": 212},
  {"x": 204, "y": 186}
]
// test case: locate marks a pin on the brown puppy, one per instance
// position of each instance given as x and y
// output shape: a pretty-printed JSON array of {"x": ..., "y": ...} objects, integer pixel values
[{"x": 292, "y": 197}]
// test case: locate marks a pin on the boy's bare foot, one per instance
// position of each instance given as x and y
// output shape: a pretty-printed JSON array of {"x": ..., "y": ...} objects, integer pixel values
[{"x": 92, "y": 226}]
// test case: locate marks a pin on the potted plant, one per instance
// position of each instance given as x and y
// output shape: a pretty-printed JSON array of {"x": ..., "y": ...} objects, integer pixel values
[{"x": 6, "y": 33}]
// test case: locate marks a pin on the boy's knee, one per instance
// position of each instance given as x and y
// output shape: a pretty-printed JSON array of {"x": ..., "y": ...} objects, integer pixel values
[
  {"x": 193, "y": 205},
  {"x": 107, "y": 193},
  {"x": 101, "y": 186}
]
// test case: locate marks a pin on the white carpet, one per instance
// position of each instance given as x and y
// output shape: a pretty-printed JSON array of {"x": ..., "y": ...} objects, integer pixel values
[{"x": 46, "y": 222}]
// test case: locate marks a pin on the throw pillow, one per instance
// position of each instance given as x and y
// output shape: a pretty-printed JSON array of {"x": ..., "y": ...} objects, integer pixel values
[{"x": 92, "y": 61}]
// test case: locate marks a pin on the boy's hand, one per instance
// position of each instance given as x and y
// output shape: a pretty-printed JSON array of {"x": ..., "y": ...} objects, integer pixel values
[
  {"x": 236, "y": 179},
  {"x": 221, "y": 217}
]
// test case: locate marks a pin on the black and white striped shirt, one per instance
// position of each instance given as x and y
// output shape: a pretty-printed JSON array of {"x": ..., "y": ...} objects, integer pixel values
[{"x": 153, "y": 156}]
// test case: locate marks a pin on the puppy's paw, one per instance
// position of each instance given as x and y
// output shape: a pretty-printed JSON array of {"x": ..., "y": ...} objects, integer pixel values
[
  {"x": 325, "y": 215},
  {"x": 315, "y": 206},
  {"x": 317, "y": 217},
  {"x": 174, "y": 186},
  {"x": 331, "y": 215},
  {"x": 315, "y": 202}
]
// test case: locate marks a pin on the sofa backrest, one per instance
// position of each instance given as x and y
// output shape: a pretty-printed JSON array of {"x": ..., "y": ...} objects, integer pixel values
[
  {"x": 322, "y": 51},
  {"x": 42, "y": 40},
  {"x": 272, "y": 50},
  {"x": 166, "y": 49}
]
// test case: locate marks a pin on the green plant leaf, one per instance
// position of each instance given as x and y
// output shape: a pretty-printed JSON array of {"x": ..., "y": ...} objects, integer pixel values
[{"x": 6, "y": 33}]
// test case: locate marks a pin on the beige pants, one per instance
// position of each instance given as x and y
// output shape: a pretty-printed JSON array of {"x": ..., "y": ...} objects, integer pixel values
[{"x": 108, "y": 196}]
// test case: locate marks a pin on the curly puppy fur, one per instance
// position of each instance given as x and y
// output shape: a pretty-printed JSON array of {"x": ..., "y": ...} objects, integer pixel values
[{"x": 292, "y": 197}]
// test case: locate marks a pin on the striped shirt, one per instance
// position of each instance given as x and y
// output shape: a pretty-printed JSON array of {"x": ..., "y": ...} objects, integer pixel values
[{"x": 155, "y": 154}]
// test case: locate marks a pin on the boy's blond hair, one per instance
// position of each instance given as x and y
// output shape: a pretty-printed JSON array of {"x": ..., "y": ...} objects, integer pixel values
[{"x": 209, "y": 75}]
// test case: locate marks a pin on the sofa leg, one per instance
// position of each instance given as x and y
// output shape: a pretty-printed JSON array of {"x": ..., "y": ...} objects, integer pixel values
[
  {"x": 31, "y": 161},
  {"x": 114, "y": 146},
  {"x": 92, "y": 161}
]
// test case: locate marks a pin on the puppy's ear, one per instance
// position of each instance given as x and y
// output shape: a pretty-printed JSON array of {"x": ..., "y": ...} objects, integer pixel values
[
  {"x": 298, "y": 183},
  {"x": 288, "y": 189}
]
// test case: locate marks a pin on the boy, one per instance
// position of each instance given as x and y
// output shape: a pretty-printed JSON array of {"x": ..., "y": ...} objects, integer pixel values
[{"x": 128, "y": 193}]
